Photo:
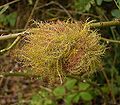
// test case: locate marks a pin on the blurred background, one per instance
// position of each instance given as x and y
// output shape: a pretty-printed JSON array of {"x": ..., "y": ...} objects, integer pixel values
[{"x": 17, "y": 15}]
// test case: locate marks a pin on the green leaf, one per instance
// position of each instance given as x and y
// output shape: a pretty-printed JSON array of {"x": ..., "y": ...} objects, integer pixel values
[
  {"x": 36, "y": 100},
  {"x": 59, "y": 91},
  {"x": 43, "y": 93},
  {"x": 70, "y": 83},
  {"x": 2, "y": 18},
  {"x": 76, "y": 98},
  {"x": 105, "y": 89},
  {"x": 116, "y": 13},
  {"x": 83, "y": 86},
  {"x": 11, "y": 18},
  {"x": 30, "y": 2},
  {"x": 83, "y": 5},
  {"x": 115, "y": 89},
  {"x": 86, "y": 96},
  {"x": 48, "y": 102},
  {"x": 99, "y": 2},
  {"x": 118, "y": 1},
  {"x": 118, "y": 80},
  {"x": 68, "y": 99}
]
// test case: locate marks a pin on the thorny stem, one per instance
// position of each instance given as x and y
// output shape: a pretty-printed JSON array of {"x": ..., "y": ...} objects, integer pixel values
[{"x": 55, "y": 3}]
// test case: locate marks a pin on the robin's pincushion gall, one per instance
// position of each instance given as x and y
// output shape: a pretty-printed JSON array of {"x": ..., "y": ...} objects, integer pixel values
[{"x": 56, "y": 49}]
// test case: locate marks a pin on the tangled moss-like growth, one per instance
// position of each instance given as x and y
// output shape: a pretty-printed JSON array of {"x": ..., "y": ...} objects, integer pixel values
[{"x": 55, "y": 50}]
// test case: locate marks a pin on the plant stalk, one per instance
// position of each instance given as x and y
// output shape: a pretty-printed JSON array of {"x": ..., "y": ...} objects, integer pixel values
[
  {"x": 92, "y": 25},
  {"x": 18, "y": 74},
  {"x": 105, "y": 24}
]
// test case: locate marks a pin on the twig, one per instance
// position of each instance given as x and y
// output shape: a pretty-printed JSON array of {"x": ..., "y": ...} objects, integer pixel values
[
  {"x": 92, "y": 25},
  {"x": 99, "y": 24},
  {"x": 45, "y": 88},
  {"x": 57, "y": 64},
  {"x": 45, "y": 5},
  {"x": 105, "y": 24},
  {"x": 3, "y": 10},
  {"x": 110, "y": 40},
  {"x": 31, "y": 14},
  {"x": 9, "y": 3},
  {"x": 10, "y": 36},
  {"x": 15, "y": 41},
  {"x": 53, "y": 2},
  {"x": 12, "y": 45},
  {"x": 19, "y": 74},
  {"x": 12, "y": 31},
  {"x": 109, "y": 86},
  {"x": 117, "y": 4}
]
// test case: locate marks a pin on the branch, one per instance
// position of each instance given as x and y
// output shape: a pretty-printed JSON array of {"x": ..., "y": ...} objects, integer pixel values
[
  {"x": 110, "y": 40},
  {"x": 12, "y": 45},
  {"x": 105, "y": 24},
  {"x": 10, "y": 36},
  {"x": 11, "y": 31},
  {"x": 92, "y": 25},
  {"x": 18, "y": 35},
  {"x": 31, "y": 14},
  {"x": 18, "y": 74},
  {"x": 9, "y": 3}
]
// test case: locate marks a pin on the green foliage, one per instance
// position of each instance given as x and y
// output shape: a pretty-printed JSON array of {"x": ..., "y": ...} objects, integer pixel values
[
  {"x": 8, "y": 19},
  {"x": 86, "y": 96},
  {"x": 41, "y": 98},
  {"x": 83, "y": 5},
  {"x": 99, "y": 2},
  {"x": 70, "y": 83},
  {"x": 30, "y": 2},
  {"x": 74, "y": 91},
  {"x": 79, "y": 92},
  {"x": 83, "y": 86},
  {"x": 115, "y": 13},
  {"x": 59, "y": 91},
  {"x": 112, "y": 69}
]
